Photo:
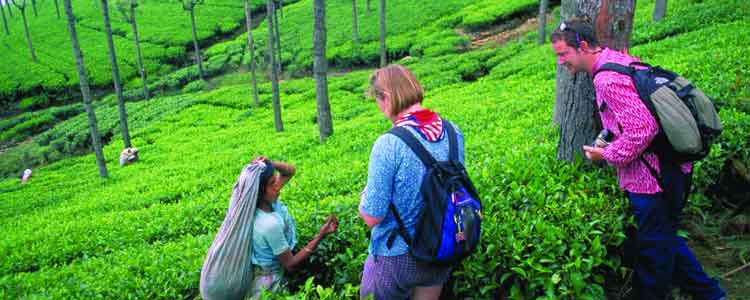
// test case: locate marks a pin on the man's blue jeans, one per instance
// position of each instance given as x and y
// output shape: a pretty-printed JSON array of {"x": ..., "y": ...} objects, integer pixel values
[{"x": 663, "y": 258}]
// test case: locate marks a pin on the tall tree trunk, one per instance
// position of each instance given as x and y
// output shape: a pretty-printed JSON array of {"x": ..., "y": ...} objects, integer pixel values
[
  {"x": 116, "y": 76},
  {"x": 660, "y": 10},
  {"x": 33, "y": 7},
  {"x": 274, "y": 71},
  {"x": 383, "y": 60},
  {"x": 278, "y": 39},
  {"x": 84, "y": 82},
  {"x": 139, "y": 57},
  {"x": 542, "y": 21},
  {"x": 9, "y": 7},
  {"x": 355, "y": 30},
  {"x": 57, "y": 9},
  {"x": 5, "y": 22},
  {"x": 198, "y": 59},
  {"x": 320, "y": 68},
  {"x": 614, "y": 23},
  {"x": 575, "y": 102},
  {"x": 281, "y": 7},
  {"x": 251, "y": 50},
  {"x": 28, "y": 34}
]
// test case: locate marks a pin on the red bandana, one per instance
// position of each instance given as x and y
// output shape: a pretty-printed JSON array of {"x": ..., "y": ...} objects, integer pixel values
[{"x": 427, "y": 122}]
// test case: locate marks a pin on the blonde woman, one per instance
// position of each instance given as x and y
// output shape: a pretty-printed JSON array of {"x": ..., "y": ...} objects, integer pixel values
[{"x": 394, "y": 177}]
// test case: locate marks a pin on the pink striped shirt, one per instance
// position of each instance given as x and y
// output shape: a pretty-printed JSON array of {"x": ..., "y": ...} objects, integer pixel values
[{"x": 634, "y": 128}]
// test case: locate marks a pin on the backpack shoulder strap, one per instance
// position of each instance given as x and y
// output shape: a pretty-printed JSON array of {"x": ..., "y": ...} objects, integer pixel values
[
  {"x": 411, "y": 141},
  {"x": 452, "y": 141},
  {"x": 401, "y": 230},
  {"x": 626, "y": 70}
]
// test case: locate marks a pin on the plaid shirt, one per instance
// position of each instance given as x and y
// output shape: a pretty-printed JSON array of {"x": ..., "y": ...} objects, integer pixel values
[{"x": 624, "y": 114}]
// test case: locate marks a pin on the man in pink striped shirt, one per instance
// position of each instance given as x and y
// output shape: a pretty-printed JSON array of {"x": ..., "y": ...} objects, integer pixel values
[{"x": 656, "y": 189}]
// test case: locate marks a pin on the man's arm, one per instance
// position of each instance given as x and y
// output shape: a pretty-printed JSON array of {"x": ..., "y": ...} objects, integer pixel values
[{"x": 638, "y": 126}]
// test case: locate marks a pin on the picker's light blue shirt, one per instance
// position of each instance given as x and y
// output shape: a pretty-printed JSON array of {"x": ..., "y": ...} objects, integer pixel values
[
  {"x": 273, "y": 233},
  {"x": 395, "y": 174}
]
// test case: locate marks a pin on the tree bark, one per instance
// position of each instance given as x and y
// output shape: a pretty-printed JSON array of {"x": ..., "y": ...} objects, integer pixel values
[
  {"x": 251, "y": 51},
  {"x": 320, "y": 68},
  {"x": 84, "y": 83},
  {"x": 660, "y": 10},
  {"x": 355, "y": 30},
  {"x": 383, "y": 59},
  {"x": 575, "y": 102},
  {"x": 57, "y": 9},
  {"x": 198, "y": 59},
  {"x": 29, "y": 44},
  {"x": 116, "y": 76},
  {"x": 614, "y": 23},
  {"x": 9, "y": 7},
  {"x": 5, "y": 22},
  {"x": 542, "y": 22},
  {"x": 278, "y": 39},
  {"x": 139, "y": 56},
  {"x": 274, "y": 71}
]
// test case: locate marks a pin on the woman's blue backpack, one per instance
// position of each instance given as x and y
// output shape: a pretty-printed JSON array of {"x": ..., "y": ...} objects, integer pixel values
[{"x": 448, "y": 226}]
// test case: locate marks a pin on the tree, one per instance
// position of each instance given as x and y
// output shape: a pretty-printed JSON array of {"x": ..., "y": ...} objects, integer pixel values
[
  {"x": 127, "y": 10},
  {"x": 10, "y": 8},
  {"x": 575, "y": 102},
  {"x": 116, "y": 76},
  {"x": 251, "y": 50},
  {"x": 355, "y": 31},
  {"x": 660, "y": 10},
  {"x": 84, "y": 83},
  {"x": 33, "y": 6},
  {"x": 57, "y": 9},
  {"x": 278, "y": 37},
  {"x": 189, "y": 5},
  {"x": 5, "y": 22},
  {"x": 320, "y": 68},
  {"x": 21, "y": 5},
  {"x": 383, "y": 60},
  {"x": 542, "y": 21},
  {"x": 272, "y": 64}
]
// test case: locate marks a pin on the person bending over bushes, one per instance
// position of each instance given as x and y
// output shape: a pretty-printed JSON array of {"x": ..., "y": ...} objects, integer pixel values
[
  {"x": 656, "y": 186},
  {"x": 274, "y": 233}
]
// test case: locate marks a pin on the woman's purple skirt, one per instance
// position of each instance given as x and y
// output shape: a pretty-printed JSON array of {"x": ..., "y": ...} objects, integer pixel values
[{"x": 395, "y": 277}]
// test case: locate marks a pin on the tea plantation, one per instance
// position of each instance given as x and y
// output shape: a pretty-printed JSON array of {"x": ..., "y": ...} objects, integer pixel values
[{"x": 552, "y": 230}]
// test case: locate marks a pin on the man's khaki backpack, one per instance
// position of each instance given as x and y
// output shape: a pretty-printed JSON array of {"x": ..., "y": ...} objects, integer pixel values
[{"x": 688, "y": 121}]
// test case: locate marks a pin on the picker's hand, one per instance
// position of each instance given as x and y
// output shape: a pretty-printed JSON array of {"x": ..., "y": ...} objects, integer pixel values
[
  {"x": 593, "y": 153},
  {"x": 330, "y": 226}
]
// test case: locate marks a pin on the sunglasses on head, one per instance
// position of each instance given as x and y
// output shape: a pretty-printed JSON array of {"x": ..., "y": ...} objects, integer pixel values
[{"x": 563, "y": 27}]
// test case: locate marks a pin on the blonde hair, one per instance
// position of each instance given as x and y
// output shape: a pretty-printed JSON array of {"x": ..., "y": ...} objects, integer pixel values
[{"x": 399, "y": 83}]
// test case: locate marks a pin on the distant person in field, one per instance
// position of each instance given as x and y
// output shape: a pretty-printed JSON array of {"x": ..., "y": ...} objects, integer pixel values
[
  {"x": 25, "y": 176},
  {"x": 663, "y": 259},
  {"x": 274, "y": 232},
  {"x": 128, "y": 156},
  {"x": 394, "y": 177}
]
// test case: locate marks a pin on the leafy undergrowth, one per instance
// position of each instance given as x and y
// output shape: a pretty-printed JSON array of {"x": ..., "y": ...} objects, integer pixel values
[{"x": 552, "y": 230}]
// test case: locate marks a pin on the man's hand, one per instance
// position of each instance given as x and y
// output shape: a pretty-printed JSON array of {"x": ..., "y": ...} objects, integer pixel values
[{"x": 593, "y": 153}]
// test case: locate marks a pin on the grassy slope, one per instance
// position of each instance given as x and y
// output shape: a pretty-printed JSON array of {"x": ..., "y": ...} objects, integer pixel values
[
  {"x": 164, "y": 30},
  {"x": 143, "y": 233}
]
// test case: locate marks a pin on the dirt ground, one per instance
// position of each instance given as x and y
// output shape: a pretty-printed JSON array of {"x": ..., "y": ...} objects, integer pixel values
[{"x": 722, "y": 254}]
